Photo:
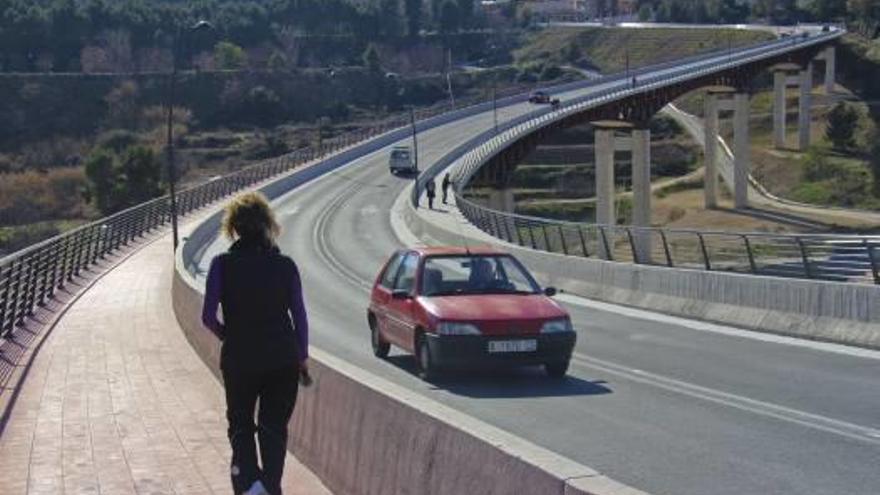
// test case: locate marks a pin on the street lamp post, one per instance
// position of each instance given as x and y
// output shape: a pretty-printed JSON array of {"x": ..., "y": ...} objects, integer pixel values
[
  {"x": 495, "y": 105},
  {"x": 172, "y": 86}
]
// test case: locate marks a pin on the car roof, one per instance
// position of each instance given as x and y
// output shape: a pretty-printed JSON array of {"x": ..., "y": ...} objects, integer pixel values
[{"x": 458, "y": 251}]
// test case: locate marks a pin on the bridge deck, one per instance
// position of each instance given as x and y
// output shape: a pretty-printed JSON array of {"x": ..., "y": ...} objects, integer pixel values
[{"x": 115, "y": 400}]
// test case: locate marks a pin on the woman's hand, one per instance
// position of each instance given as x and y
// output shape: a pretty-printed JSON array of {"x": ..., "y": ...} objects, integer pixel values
[{"x": 304, "y": 365}]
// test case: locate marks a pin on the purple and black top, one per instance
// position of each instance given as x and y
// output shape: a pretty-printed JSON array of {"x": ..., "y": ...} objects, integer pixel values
[{"x": 259, "y": 291}]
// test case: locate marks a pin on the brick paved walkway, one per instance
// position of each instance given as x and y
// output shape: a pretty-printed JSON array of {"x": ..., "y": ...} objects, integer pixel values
[{"x": 117, "y": 402}]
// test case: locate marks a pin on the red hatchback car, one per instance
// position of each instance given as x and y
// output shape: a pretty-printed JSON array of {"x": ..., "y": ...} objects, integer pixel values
[{"x": 457, "y": 307}]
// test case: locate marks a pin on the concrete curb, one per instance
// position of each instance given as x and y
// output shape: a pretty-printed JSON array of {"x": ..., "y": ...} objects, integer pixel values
[
  {"x": 846, "y": 314},
  {"x": 364, "y": 435}
]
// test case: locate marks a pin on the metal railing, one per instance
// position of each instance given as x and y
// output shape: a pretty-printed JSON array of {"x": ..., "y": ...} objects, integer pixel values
[{"x": 824, "y": 257}]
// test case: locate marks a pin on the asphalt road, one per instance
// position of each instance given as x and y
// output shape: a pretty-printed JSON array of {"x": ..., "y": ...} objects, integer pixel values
[{"x": 665, "y": 405}]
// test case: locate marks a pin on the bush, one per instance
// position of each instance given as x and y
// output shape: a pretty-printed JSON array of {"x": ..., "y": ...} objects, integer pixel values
[
  {"x": 32, "y": 196},
  {"x": 843, "y": 120},
  {"x": 229, "y": 56},
  {"x": 818, "y": 193}
]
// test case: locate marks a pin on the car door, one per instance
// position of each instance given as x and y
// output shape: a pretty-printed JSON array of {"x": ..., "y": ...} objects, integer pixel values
[
  {"x": 382, "y": 293},
  {"x": 401, "y": 309}
]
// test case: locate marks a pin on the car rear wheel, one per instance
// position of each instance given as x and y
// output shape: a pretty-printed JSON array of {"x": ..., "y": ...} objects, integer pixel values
[
  {"x": 556, "y": 370},
  {"x": 380, "y": 347},
  {"x": 427, "y": 369}
]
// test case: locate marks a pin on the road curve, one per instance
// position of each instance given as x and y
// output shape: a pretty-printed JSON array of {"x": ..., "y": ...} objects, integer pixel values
[{"x": 662, "y": 404}]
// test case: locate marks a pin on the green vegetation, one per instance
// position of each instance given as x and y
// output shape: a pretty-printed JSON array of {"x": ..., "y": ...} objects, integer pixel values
[
  {"x": 229, "y": 56},
  {"x": 121, "y": 179},
  {"x": 608, "y": 49},
  {"x": 843, "y": 120}
]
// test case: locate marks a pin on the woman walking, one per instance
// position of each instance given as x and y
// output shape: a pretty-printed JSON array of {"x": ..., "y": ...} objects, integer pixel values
[{"x": 265, "y": 341}]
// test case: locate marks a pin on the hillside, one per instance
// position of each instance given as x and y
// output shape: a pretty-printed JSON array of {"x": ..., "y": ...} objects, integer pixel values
[{"x": 606, "y": 49}]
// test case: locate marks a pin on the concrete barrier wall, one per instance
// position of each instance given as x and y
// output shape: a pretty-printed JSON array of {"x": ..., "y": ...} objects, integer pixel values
[
  {"x": 827, "y": 311},
  {"x": 363, "y": 435}
]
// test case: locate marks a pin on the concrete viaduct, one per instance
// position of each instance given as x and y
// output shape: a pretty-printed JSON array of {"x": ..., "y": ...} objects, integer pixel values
[{"x": 623, "y": 125}]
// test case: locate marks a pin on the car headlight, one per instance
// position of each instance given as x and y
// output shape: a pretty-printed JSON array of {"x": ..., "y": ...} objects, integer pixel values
[
  {"x": 452, "y": 328},
  {"x": 557, "y": 326}
]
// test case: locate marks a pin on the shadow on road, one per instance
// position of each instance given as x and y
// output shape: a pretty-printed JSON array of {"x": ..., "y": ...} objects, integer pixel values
[{"x": 507, "y": 383}]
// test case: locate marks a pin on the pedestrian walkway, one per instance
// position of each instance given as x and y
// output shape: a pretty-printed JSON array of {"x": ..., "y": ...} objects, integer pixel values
[{"x": 115, "y": 401}]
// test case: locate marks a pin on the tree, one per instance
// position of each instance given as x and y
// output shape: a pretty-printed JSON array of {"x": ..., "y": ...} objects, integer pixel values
[
  {"x": 450, "y": 17},
  {"x": 103, "y": 180},
  {"x": 843, "y": 120},
  {"x": 229, "y": 56},
  {"x": 120, "y": 180},
  {"x": 371, "y": 58},
  {"x": 413, "y": 12},
  {"x": 645, "y": 12},
  {"x": 141, "y": 175}
]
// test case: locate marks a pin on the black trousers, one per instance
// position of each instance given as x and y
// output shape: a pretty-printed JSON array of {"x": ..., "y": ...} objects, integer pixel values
[{"x": 276, "y": 391}]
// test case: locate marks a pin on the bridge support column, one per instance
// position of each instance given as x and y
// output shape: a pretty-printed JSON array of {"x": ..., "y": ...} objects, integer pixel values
[
  {"x": 779, "y": 108},
  {"x": 641, "y": 188},
  {"x": 804, "y": 103},
  {"x": 830, "y": 57},
  {"x": 710, "y": 153},
  {"x": 605, "y": 214},
  {"x": 742, "y": 150},
  {"x": 502, "y": 200}
]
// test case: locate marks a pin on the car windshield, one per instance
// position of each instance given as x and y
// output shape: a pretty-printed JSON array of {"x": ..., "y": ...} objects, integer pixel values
[
  {"x": 476, "y": 274},
  {"x": 400, "y": 154}
]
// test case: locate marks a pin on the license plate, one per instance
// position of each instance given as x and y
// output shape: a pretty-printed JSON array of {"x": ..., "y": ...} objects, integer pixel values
[{"x": 513, "y": 346}]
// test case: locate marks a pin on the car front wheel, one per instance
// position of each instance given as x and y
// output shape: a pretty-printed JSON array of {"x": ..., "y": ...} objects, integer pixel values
[{"x": 556, "y": 370}]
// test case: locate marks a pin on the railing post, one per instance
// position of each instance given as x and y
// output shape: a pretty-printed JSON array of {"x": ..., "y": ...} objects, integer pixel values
[
  {"x": 632, "y": 245},
  {"x": 705, "y": 252},
  {"x": 33, "y": 275},
  {"x": 547, "y": 246},
  {"x": 752, "y": 265},
  {"x": 609, "y": 256},
  {"x": 532, "y": 236},
  {"x": 873, "y": 260},
  {"x": 562, "y": 240},
  {"x": 808, "y": 271},
  {"x": 507, "y": 234},
  {"x": 5, "y": 277},
  {"x": 666, "y": 249},
  {"x": 15, "y": 295},
  {"x": 583, "y": 242}
]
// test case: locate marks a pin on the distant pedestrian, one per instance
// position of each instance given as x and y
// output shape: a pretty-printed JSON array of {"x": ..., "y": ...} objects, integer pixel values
[
  {"x": 635, "y": 81},
  {"x": 447, "y": 181},
  {"x": 430, "y": 188},
  {"x": 265, "y": 335}
]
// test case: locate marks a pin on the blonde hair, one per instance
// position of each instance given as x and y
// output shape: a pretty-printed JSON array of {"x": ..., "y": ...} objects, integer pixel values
[{"x": 249, "y": 216}]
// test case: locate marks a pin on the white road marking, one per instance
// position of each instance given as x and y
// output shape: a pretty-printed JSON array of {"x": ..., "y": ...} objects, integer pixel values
[
  {"x": 717, "y": 328},
  {"x": 811, "y": 420}
]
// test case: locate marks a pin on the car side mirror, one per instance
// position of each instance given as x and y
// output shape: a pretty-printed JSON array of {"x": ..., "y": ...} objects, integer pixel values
[
  {"x": 550, "y": 291},
  {"x": 400, "y": 294}
]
